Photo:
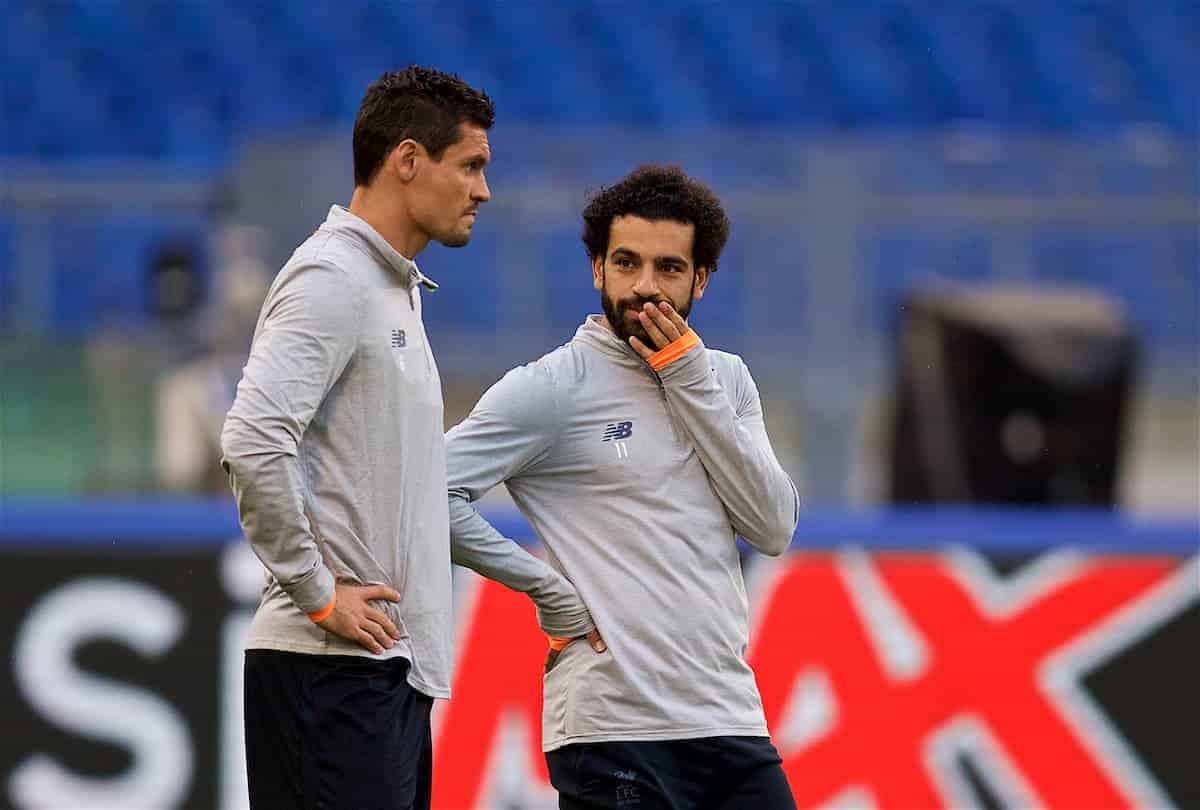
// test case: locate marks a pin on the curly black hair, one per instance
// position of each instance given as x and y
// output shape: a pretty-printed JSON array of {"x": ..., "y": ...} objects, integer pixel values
[
  {"x": 657, "y": 193},
  {"x": 421, "y": 103}
]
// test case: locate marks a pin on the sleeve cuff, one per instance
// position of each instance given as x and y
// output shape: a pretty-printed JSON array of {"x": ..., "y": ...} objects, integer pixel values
[
  {"x": 314, "y": 593},
  {"x": 555, "y": 624},
  {"x": 323, "y": 614},
  {"x": 674, "y": 350}
]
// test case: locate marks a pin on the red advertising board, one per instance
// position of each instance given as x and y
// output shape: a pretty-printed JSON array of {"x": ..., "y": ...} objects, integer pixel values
[
  {"x": 890, "y": 680},
  {"x": 1049, "y": 662}
]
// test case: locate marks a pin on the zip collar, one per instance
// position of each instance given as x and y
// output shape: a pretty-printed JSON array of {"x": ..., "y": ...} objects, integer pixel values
[
  {"x": 592, "y": 332},
  {"x": 342, "y": 221}
]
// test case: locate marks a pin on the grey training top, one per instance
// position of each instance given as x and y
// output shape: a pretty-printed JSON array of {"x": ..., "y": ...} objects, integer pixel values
[
  {"x": 636, "y": 486},
  {"x": 335, "y": 450}
]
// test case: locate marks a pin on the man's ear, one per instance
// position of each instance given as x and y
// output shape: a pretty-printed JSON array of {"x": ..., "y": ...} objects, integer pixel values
[
  {"x": 403, "y": 160},
  {"x": 598, "y": 272},
  {"x": 700, "y": 282}
]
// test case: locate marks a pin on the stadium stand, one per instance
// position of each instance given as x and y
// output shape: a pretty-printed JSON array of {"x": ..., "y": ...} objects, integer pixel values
[
  {"x": 183, "y": 83},
  {"x": 184, "y": 80}
]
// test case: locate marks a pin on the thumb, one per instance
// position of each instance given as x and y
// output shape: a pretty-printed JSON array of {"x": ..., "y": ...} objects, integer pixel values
[
  {"x": 381, "y": 592},
  {"x": 596, "y": 642}
]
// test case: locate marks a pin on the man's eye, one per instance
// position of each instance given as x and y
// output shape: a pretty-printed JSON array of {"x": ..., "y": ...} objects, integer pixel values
[{"x": 624, "y": 262}]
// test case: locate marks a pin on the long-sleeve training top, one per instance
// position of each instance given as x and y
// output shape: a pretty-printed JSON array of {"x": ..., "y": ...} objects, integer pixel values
[
  {"x": 335, "y": 450},
  {"x": 636, "y": 484}
]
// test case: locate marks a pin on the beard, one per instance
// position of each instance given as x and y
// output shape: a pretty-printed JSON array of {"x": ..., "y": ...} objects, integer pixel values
[
  {"x": 454, "y": 238},
  {"x": 453, "y": 234},
  {"x": 622, "y": 314}
]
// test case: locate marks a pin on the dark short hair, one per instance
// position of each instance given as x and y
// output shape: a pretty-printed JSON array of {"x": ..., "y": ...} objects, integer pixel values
[
  {"x": 658, "y": 193},
  {"x": 419, "y": 103}
]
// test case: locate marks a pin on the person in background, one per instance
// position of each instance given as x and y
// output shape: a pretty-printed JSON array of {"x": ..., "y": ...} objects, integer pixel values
[{"x": 191, "y": 400}]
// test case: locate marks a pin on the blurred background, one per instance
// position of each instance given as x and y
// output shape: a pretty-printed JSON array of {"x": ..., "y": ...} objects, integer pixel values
[
  {"x": 161, "y": 160},
  {"x": 964, "y": 265}
]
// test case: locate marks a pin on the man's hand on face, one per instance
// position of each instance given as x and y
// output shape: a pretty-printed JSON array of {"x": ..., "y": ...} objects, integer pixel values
[
  {"x": 354, "y": 619},
  {"x": 663, "y": 326}
]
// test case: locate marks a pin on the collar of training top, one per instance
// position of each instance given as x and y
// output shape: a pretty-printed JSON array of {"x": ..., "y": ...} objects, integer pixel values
[
  {"x": 342, "y": 219},
  {"x": 594, "y": 333}
]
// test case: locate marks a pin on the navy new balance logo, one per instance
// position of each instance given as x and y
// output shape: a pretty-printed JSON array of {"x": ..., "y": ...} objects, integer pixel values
[
  {"x": 399, "y": 339},
  {"x": 618, "y": 432},
  {"x": 615, "y": 431}
]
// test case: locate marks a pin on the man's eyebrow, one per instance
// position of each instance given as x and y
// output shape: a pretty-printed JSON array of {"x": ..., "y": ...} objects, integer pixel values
[
  {"x": 671, "y": 260},
  {"x": 626, "y": 251}
]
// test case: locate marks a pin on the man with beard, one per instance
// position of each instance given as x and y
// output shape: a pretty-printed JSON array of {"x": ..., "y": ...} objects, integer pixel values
[{"x": 637, "y": 454}]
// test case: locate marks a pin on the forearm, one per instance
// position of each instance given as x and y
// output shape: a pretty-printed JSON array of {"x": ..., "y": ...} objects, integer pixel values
[
  {"x": 760, "y": 498},
  {"x": 476, "y": 544},
  {"x": 269, "y": 490}
]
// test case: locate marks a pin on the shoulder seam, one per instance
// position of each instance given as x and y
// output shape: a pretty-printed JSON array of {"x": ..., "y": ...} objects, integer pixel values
[
  {"x": 343, "y": 241},
  {"x": 560, "y": 418},
  {"x": 356, "y": 287},
  {"x": 559, "y": 411}
]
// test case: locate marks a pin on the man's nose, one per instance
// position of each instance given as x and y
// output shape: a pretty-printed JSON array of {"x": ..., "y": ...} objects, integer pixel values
[
  {"x": 481, "y": 192},
  {"x": 646, "y": 285}
]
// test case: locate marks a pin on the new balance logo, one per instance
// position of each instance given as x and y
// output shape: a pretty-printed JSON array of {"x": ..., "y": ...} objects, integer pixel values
[
  {"x": 399, "y": 339},
  {"x": 617, "y": 431},
  {"x": 628, "y": 794}
]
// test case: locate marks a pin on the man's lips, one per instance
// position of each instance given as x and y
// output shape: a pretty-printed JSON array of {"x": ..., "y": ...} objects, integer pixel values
[{"x": 636, "y": 310}]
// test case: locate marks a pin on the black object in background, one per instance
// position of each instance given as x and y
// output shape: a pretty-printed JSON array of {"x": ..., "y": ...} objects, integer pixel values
[
  {"x": 175, "y": 282},
  {"x": 1010, "y": 395}
]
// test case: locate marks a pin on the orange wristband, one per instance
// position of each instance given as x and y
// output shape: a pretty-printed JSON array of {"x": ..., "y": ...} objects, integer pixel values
[
  {"x": 323, "y": 614},
  {"x": 558, "y": 644},
  {"x": 674, "y": 350}
]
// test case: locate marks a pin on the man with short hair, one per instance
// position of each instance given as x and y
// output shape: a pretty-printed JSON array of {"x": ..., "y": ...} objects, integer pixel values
[
  {"x": 334, "y": 447},
  {"x": 637, "y": 454}
]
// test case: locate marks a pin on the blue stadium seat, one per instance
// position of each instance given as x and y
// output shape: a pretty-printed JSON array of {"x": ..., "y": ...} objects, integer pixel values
[
  {"x": 568, "y": 281},
  {"x": 1165, "y": 308},
  {"x": 244, "y": 67},
  {"x": 900, "y": 260},
  {"x": 471, "y": 286},
  {"x": 124, "y": 245},
  {"x": 184, "y": 80}
]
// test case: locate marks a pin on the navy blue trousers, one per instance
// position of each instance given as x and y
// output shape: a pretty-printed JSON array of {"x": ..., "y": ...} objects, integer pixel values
[
  {"x": 326, "y": 732},
  {"x": 711, "y": 773}
]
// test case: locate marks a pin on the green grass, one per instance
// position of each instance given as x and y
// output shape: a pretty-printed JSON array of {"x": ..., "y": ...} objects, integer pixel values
[{"x": 47, "y": 431}]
